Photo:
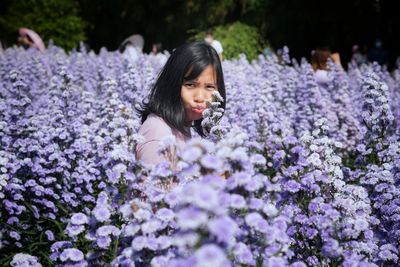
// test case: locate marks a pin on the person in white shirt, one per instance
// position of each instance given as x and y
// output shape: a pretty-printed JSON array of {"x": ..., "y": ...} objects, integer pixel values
[
  {"x": 319, "y": 60},
  {"x": 214, "y": 43},
  {"x": 157, "y": 54},
  {"x": 131, "y": 52},
  {"x": 132, "y": 47}
]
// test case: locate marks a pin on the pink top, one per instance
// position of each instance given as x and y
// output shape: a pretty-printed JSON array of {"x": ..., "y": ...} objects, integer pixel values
[{"x": 153, "y": 130}]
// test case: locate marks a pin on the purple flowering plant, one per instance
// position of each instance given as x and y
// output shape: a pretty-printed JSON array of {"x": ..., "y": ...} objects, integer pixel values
[{"x": 296, "y": 174}]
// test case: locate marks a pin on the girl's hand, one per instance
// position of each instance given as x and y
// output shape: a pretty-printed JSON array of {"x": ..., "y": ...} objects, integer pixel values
[{"x": 336, "y": 58}]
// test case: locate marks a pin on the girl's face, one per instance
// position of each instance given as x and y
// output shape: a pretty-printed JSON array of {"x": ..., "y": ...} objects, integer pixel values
[{"x": 196, "y": 92}]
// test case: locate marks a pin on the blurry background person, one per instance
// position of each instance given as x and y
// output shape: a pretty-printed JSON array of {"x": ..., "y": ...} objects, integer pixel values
[
  {"x": 377, "y": 53},
  {"x": 28, "y": 38},
  {"x": 2, "y": 46},
  {"x": 214, "y": 43},
  {"x": 358, "y": 57},
  {"x": 319, "y": 62},
  {"x": 156, "y": 48},
  {"x": 397, "y": 63},
  {"x": 132, "y": 47},
  {"x": 267, "y": 52},
  {"x": 157, "y": 54},
  {"x": 25, "y": 42}
]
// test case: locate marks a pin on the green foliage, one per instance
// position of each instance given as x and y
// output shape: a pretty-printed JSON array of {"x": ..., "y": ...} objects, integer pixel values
[
  {"x": 51, "y": 19},
  {"x": 158, "y": 21},
  {"x": 236, "y": 38},
  {"x": 209, "y": 12}
]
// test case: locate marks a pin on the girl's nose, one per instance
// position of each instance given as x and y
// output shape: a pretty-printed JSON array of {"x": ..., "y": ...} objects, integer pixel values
[{"x": 199, "y": 95}]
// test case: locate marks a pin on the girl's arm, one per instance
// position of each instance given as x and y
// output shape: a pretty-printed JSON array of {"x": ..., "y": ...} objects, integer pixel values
[{"x": 148, "y": 152}]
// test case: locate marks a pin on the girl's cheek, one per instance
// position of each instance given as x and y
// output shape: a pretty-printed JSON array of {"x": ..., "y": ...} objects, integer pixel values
[{"x": 209, "y": 96}]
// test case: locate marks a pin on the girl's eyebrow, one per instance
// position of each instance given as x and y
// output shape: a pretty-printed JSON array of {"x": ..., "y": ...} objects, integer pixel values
[
  {"x": 190, "y": 81},
  {"x": 196, "y": 82}
]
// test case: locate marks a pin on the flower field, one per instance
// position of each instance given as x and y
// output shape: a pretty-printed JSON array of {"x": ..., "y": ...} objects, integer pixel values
[{"x": 299, "y": 174}]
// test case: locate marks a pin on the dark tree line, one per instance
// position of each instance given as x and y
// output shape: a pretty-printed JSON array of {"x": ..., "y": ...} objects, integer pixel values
[{"x": 300, "y": 24}]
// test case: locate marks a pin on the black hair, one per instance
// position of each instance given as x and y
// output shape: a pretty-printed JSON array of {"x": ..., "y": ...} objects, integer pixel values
[
  {"x": 186, "y": 63},
  {"x": 158, "y": 47}
]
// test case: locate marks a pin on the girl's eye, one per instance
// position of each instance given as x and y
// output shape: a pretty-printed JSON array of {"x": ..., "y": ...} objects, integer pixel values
[
  {"x": 189, "y": 85},
  {"x": 210, "y": 87}
]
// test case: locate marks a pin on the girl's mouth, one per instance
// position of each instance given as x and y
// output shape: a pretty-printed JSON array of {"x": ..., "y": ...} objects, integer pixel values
[{"x": 198, "y": 110}]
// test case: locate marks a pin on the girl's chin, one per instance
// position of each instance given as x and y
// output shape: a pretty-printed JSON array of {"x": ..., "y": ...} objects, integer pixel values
[{"x": 196, "y": 117}]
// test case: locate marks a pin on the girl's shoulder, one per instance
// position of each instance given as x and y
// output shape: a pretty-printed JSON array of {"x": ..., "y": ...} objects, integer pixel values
[{"x": 154, "y": 128}]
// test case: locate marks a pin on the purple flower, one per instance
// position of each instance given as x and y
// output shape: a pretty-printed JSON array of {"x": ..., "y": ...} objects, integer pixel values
[
  {"x": 243, "y": 254},
  {"x": 224, "y": 229},
  {"x": 71, "y": 254},
  {"x": 190, "y": 218},
  {"x": 172, "y": 198},
  {"x": 152, "y": 243},
  {"x": 13, "y": 220},
  {"x": 22, "y": 259},
  {"x": 279, "y": 155},
  {"x": 201, "y": 195},
  {"x": 252, "y": 218},
  {"x": 102, "y": 199},
  {"x": 151, "y": 226},
  {"x": 107, "y": 230},
  {"x": 139, "y": 242},
  {"x": 210, "y": 256},
  {"x": 162, "y": 169},
  {"x": 130, "y": 229},
  {"x": 270, "y": 210},
  {"x": 298, "y": 264},
  {"x": 256, "y": 221},
  {"x": 211, "y": 162},
  {"x": 388, "y": 253},
  {"x": 74, "y": 230},
  {"x": 79, "y": 218},
  {"x": 101, "y": 213},
  {"x": 165, "y": 214},
  {"x": 167, "y": 143},
  {"x": 142, "y": 214},
  {"x": 256, "y": 203},
  {"x": 164, "y": 242},
  {"x": 254, "y": 184},
  {"x": 242, "y": 178},
  {"x": 103, "y": 242},
  {"x": 331, "y": 248},
  {"x": 292, "y": 186},
  {"x": 237, "y": 201},
  {"x": 275, "y": 262},
  {"x": 361, "y": 225},
  {"x": 191, "y": 154},
  {"x": 258, "y": 159},
  {"x": 155, "y": 194},
  {"x": 159, "y": 261},
  {"x": 15, "y": 235},
  {"x": 49, "y": 235},
  {"x": 214, "y": 181},
  {"x": 60, "y": 245},
  {"x": 126, "y": 210}
]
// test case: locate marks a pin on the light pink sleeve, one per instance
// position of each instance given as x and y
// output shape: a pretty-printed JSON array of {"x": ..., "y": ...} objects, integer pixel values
[{"x": 153, "y": 130}]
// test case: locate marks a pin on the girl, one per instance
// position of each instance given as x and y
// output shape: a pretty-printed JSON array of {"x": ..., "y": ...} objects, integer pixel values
[{"x": 178, "y": 98}]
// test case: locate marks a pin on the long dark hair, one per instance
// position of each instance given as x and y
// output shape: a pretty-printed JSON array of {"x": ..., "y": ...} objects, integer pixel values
[
  {"x": 319, "y": 58},
  {"x": 186, "y": 62}
]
